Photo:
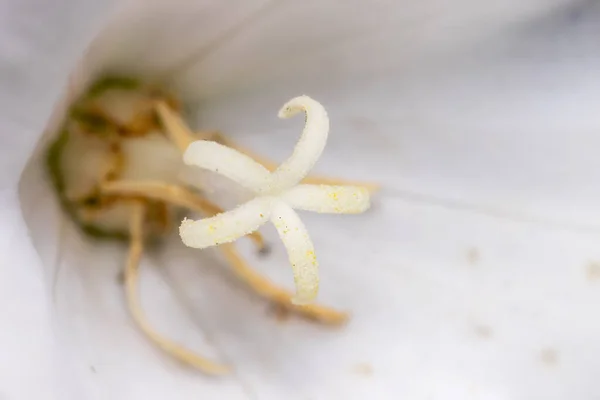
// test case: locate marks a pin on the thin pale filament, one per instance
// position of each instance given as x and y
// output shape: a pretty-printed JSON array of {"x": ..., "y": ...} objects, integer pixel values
[
  {"x": 264, "y": 287},
  {"x": 172, "y": 194},
  {"x": 131, "y": 279},
  {"x": 176, "y": 129}
]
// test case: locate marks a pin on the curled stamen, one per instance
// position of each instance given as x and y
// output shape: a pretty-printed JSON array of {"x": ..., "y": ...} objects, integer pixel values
[
  {"x": 277, "y": 196},
  {"x": 309, "y": 147},
  {"x": 301, "y": 252},
  {"x": 328, "y": 199},
  {"x": 117, "y": 135},
  {"x": 131, "y": 278},
  {"x": 226, "y": 227}
]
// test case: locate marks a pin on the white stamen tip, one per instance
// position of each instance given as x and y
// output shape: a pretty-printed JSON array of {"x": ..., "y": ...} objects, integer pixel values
[
  {"x": 226, "y": 227},
  {"x": 294, "y": 106},
  {"x": 300, "y": 249},
  {"x": 309, "y": 146}
]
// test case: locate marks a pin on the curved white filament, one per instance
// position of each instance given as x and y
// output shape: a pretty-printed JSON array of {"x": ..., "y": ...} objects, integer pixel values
[
  {"x": 228, "y": 226},
  {"x": 328, "y": 199},
  {"x": 301, "y": 252}
]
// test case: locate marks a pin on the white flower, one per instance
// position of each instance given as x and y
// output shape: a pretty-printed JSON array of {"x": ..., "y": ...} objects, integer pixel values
[
  {"x": 278, "y": 193},
  {"x": 479, "y": 119}
]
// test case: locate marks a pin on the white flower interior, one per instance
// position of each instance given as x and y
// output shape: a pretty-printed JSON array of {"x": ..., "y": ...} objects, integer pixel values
[
  {"x": 457, "y": 133},
  {"x": 117, "y": 167}
]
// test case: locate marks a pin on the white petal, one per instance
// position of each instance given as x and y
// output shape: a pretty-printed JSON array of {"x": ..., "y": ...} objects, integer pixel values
[
  {"x": 309, "y": 147},
  {"x": 228, "y": 226},
  {"x": 328, "y": 199},
  {"x": 27, "y": 339},
  {"x": 331, "y": 46},
  {"x": 39, "y": 44},
  {"x": 339, "y": 60},
  {"x": 227, "y": 162},
  {"x": 301, "y": 252}
]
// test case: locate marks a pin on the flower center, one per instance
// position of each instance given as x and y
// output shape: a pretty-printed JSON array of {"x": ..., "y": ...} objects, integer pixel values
[{"x": 116, "y": 167}]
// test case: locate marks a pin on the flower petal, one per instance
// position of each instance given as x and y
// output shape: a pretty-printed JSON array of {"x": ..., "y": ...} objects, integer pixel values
[
  {"x": 227, "y": 162},
  {"x": 228, "y": 226},
  {"x": 309, "y": 146},
  {"x": 301, "y": 252},
  {"x": 39, "y": 43},
  {"x": 329, "y": 199}
]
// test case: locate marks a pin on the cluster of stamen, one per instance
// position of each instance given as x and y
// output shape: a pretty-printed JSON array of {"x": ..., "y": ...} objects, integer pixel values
[
  {"x": 277, "y": 194},
  {"x": 105, "y": 202}
]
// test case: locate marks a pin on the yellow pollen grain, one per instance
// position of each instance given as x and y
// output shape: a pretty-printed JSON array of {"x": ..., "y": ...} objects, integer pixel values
[{"x": 311, "y": 255}]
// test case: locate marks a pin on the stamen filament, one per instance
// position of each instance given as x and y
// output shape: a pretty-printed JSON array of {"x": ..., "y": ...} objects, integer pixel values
[
  {"x": 175, "y": 128},
  {"x": 264, "y": 287},
  {"x": 131, "y": 279},
  {"x": 176, "y": 195}
]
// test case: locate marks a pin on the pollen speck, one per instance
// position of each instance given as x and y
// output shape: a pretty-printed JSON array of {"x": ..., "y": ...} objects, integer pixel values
[
  {"x": 364, "y": 369},
  {"x": 593, "y": 271},
  {"x": 549, "y": 356}
]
